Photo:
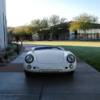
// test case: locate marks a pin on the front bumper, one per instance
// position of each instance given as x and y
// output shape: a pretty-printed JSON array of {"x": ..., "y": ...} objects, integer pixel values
[{"x": 50, "y": 69}]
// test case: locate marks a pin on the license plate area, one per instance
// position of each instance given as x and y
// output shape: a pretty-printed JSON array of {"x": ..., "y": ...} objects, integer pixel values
[{"x": 50, "y": 70}]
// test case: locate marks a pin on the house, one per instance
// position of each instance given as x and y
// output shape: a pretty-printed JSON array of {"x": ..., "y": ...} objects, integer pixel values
[
  {"x": 3, "y": 25},
  {"x": 89, "y": 34},
  {"x": 60, "y": 32}
]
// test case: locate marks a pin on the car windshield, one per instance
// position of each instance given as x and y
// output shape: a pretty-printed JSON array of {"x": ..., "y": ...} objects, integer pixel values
[{"x": 43, "y": 48}]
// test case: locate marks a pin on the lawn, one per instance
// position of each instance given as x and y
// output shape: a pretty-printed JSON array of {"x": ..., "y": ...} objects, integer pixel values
[
  {"x": 91, "y": 55},
  {"x": 87, "y": 51},
  {"x": 65, "y": 43}
]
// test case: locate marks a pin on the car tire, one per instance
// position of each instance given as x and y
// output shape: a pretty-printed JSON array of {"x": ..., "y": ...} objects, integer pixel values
[
  {"x": 27, "y": 74},
  {"x": 71, "y": 73}
]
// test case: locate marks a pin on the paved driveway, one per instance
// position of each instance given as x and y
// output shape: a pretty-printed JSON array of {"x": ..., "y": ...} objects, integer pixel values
[{"x": 84, "y": 85}]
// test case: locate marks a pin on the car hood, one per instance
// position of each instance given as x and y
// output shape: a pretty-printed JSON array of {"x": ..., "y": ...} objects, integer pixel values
[{"x": 49, "y": 56}]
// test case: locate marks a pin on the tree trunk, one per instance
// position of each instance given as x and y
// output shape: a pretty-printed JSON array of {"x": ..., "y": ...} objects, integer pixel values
[
  {"x": 84, "y": 34},
  {"x": 51, "y": 34}
]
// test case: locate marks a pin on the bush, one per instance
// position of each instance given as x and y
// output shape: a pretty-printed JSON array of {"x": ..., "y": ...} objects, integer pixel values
[
  {"x": 5, "y": 55},
  {"x": 8, "y": 51},
  {"x": 9, "y": 42},
  {"x": 1, "y": 59},
  {"x": 8, "y": 48},
  {"x": 11, "y": 52},
  {"x": 14, "y": 47},
  {"x": 19, "y": 48}
]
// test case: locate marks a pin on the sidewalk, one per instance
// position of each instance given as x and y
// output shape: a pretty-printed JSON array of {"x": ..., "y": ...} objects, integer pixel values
[
  {"x": 15, "y": 66},
  {"x": 12, "y": 68}
]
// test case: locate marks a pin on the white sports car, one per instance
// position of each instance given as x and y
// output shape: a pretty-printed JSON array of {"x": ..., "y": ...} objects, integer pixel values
[{"x": 49, "y": 59}]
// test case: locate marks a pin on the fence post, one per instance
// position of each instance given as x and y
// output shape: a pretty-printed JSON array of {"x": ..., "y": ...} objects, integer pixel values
[{"x": 17, "y": 40}]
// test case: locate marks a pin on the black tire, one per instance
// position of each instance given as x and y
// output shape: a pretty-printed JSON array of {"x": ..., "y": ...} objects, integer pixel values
[
  {"x": 27, "y": 74},
  {"x": 71, "y": 73}
]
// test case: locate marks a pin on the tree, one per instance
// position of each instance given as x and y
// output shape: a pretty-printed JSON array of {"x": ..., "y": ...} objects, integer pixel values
[
  {"x": 36, "y": 23},
  {"x": 19, "y": 30},
  {"x": 62, "y": 20},
  {"x": 48, "y": 26},
  {"x": 35, "y": 26},
  {"x": 83, "y": 22},
  {"x": 58, "y": 28},
  {"x": 52, "y": 30},
  {"x": 55, "y": 20},
  {"x": 10, "y": 30},
  {"x": 45, "y": 22},
  {"x": 29, "y": 30}
]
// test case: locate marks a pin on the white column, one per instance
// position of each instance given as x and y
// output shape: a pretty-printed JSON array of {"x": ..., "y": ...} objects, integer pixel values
[{"x": 3, "y": 32}]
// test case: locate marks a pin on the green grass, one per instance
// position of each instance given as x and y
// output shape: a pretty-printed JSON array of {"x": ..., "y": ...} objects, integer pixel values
[
  {"x": 65, "y": 43},
  {"x": 87, "y": 51},
  {"x": 91, "y": 55}
]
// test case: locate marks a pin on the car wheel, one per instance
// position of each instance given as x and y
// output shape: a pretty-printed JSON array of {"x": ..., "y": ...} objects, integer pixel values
[
  {"x": 27, "y": 73},
  {"x": 71, "y": 73}
]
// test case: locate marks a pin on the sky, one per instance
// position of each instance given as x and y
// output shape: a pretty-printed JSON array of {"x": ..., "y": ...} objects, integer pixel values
[{"x": 22, "y": 12}]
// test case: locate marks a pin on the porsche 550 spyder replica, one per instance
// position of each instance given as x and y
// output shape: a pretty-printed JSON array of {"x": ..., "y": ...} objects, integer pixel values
[{"x": 49, "y": 59}]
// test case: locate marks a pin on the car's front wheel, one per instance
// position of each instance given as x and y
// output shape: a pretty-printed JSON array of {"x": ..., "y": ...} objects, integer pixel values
[
  {"x": 71, "y": 73},
  {"x": 27, "y": 73}
]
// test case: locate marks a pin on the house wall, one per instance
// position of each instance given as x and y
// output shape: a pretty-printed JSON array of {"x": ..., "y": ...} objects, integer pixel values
[
  {"x": 92, "y": 31},
  {"x": 3, "y": 25},
  {"x": 65, "y": 35},
  {"x": 35, "y": 37},
  {"x": 62, "y": 36},
  {"x": 90, "y": 34}
]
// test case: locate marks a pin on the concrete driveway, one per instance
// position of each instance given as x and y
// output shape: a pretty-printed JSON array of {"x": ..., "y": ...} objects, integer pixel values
[{"x": 83, "y": 85}]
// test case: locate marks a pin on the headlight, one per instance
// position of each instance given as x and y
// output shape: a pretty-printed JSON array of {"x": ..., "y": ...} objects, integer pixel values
[
  {"x": 70, "y": 58},
  {"x": 29, "y": 58}
]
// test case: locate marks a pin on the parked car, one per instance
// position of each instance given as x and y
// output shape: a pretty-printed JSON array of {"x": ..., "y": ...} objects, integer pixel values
[{"x": 49, "y": 59}]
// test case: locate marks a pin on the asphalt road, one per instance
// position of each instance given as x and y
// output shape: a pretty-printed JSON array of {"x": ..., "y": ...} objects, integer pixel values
[{"x": 83, "y": 85}]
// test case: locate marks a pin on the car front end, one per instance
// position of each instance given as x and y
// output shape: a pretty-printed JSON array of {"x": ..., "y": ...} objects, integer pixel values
[{"x": 50, "y": 61}]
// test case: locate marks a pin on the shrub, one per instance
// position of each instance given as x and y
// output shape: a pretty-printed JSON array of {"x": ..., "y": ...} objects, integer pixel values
[
  {"x": 14, "y": 47},
  {"x": 20, "y": 47},
  {"x": 8, "y": 48},
  {"x": 11, "y": 52},
  {"x": 9, "y": 42},
  {"x": 1, "y": 59},
  {"x": 5, "y": 55}
]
